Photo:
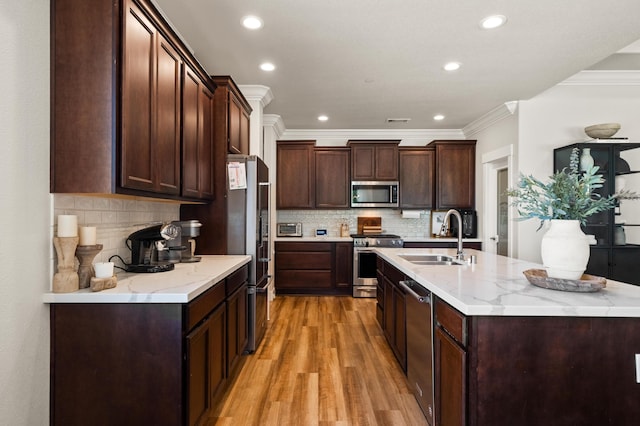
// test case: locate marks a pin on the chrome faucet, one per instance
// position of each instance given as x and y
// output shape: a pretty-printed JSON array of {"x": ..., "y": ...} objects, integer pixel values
[{"x": 443, "y": 230}]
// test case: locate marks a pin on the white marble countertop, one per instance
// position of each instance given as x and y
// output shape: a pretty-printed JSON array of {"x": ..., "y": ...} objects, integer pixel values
[
  {"x": 440, "y": 240},
  {"x": 349, "y": 239},
  {"x": 495, "y": 286},
  {"x": 181, "y": 285}
]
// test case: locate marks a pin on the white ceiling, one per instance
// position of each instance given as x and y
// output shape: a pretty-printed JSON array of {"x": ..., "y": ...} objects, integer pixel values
[{"x": 363, "y": 61}]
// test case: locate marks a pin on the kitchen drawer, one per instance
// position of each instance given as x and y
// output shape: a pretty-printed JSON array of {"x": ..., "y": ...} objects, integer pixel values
[
  {"x": 452, "y": 321},
  {"x": 202, "y": 305},
  {"x": 303, "y": 246},
  {"x": 304, "y": 260},
  {"x": 303, "y": 279},
  {"x": 236, "y": 279}
]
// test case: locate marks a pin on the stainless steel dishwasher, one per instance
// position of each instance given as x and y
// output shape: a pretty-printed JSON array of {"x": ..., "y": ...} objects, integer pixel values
[{"x": 419, "y": 319}]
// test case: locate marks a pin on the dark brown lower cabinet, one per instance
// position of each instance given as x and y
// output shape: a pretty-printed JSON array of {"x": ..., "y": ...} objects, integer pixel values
[
  {"x": 313, "y": 267},
  {"x": 394, "y": 311},
  {"x": 206, "y": 367},
  {"x": 450, "y": 380},
  {"x": 145, "y": 363},
  {"x": 530, "y": 371}
]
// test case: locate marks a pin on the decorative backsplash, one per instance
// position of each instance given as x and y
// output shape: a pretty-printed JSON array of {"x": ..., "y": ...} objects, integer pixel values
[
  {"x": 114, "y": 218},
  {"x": 392, "y": 221}
]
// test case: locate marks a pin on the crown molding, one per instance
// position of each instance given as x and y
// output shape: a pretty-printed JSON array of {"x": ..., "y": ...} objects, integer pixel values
[
  {"x": 275, "y": 122},
  {"x": 603, "y": 78},
  {"x": 339, "y": 137},
  {"x": 256, "y": 92},
  {"x": 489, "y": 119}
]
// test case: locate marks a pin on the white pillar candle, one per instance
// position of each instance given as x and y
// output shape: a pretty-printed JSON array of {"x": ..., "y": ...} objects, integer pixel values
[
  {"x": 103, "y": 269},
  {"x": 67, "y": 225},
  {"x": 88, "y": 236}
]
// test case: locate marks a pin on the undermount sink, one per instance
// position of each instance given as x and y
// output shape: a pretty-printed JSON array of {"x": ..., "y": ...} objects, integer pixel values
[{"x": 429, "y": 259}]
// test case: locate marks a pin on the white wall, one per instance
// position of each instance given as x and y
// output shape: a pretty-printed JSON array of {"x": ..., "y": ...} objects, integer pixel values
[
  {"x": 556, "y": 118},
  {"x": 25, "y": 242},
  {"x": 498, "y": 129}
]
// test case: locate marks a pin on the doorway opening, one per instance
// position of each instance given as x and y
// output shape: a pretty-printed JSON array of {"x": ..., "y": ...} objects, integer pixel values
[{"x": 498, "y": 224}]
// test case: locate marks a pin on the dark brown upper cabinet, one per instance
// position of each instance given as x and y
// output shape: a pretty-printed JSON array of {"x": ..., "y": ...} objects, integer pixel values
[
  {"x": 117, "y": 75},
  {"x": 197, "y": 139},
  {"x": 332, "y": 181},
  {"x": 232, "y": 116},
  {"x": 374, "y": 160},
  {"x": 295, "y": 175},
  {"x": 455, "y": 174},
  {"x": 417, "y": 173}
]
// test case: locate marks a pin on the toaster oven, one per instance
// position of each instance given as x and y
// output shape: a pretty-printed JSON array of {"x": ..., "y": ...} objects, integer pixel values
[{"x": 289, "y": 229}]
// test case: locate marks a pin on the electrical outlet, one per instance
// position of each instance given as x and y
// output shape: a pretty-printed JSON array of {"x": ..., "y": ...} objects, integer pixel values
[{"x": 637, "y": 368}]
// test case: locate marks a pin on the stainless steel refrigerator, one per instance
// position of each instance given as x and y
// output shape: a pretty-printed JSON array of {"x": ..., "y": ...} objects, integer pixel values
[{"x": 248, "y": 212}]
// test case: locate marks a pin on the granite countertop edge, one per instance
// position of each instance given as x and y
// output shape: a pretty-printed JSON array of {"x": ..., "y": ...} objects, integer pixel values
[
  {"x": 495, "y": 286},
  {"x": 181, "y": 285}
]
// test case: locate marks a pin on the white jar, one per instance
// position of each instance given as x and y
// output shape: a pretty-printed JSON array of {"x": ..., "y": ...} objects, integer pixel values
[{"x": 565, "y": 250}]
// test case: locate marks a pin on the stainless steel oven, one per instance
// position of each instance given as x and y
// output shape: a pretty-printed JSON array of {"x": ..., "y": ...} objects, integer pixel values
[{"x": 364, "y": 261}]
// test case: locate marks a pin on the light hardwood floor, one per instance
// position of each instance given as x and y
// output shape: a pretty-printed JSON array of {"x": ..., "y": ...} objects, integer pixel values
[{"x": 323, "y": 361}]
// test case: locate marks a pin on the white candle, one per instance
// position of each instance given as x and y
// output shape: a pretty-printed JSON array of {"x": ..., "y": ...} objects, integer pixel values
[
  {"x": 67, "y": 225},
  {"x": 103, "y": 269},
  {"x": 88, "y": 235}
]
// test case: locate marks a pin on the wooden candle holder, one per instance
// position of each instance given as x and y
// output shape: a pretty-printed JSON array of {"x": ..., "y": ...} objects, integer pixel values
[
  {"x": 66, "y": 280},
  {"x": 85, "y": 255}
]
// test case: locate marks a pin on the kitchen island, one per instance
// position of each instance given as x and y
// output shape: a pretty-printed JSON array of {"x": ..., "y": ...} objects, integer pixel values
[
  {"x": 157, "y": 349},
  {"x": 509, "y": 353}
]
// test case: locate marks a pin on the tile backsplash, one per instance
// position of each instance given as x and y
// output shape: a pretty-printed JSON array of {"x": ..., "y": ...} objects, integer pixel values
[
  {"x": 392, "y": 221},
  {"x": 114, "y": 218}
]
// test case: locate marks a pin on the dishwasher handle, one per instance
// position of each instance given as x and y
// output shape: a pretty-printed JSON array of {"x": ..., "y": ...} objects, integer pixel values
[{"x": 422, "y": 298}]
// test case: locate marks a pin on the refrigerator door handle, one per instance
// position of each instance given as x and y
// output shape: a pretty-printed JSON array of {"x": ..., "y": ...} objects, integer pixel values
[{"x": 267, "y": 232}]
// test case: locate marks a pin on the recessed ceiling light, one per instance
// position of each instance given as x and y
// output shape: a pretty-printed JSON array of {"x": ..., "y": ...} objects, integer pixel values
[
  {"x": 267, "y": 66},
  {"x": 322, "y": 118},
  {"x": 493, "y": 21},
  {"x": 438, "y": 117},
  {"x": 252, "y": 22},
  {"x": 452, "y": 66}
]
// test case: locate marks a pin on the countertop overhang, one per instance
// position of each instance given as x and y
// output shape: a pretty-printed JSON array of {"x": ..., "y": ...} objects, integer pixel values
[
  {"x": 181, "y": 285},
  {"x": 495, "y": 286}
]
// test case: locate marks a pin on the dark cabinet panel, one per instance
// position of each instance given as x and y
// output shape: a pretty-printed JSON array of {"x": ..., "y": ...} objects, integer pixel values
[
  {"x": 117, "y": 76},
  {"x": 344, "y": 265},
  {"x": 238, "y": 334},
  {"x": 374, "y": 160},
  {"x": 393, "y": 310},
  {"x": 313, "y": 268},
  {"x": 232, "y": 117},
  {"x": 197, "y": 139},
  {"x": 455, "y": 174},
  {"x": 416, "y": 168},
  {"x": 450, "y": 381},
  {"x": 138, "y": 98},
  {"x": 332, "y": 166},
  {"x": 295, "y": 175}
]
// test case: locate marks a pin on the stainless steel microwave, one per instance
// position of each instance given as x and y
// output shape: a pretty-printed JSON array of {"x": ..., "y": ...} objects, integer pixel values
[{"x": 377, "y": 194}]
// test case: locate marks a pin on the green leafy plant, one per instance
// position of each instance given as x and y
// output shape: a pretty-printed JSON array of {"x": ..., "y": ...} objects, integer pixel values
[{"x": 568, "y": 195}]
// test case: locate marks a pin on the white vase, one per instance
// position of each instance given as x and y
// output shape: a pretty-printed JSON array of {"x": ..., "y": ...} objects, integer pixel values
[
  {"x": 586, "y": 160},
  {"x": 565, "y": 250}
]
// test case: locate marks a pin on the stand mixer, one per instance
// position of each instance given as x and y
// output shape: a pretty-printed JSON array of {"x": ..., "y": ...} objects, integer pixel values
[{"x": 152, "y": 248}]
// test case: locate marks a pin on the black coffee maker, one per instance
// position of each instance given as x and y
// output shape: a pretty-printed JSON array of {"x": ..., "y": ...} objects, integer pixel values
[
  {"x": 469, "y": 224},
  {"x": 147, "y": 243}
]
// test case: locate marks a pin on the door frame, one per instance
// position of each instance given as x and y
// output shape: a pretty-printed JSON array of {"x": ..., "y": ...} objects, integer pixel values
[{"x": 492, "y": 162}]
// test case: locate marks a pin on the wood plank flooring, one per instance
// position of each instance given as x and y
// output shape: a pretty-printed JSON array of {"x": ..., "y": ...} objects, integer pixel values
[{"x": 323, "y": 361}]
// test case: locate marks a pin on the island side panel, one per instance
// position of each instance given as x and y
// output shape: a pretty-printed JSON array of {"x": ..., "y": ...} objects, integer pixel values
[
  {"x": 116, "y": 364},
  {"x": 553, "y": 370}
]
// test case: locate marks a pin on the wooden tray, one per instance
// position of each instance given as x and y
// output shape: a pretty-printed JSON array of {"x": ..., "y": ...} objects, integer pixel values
[{"x": 586, "y": 283}]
